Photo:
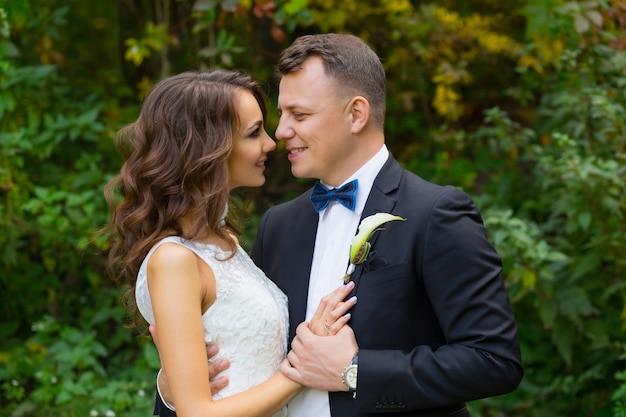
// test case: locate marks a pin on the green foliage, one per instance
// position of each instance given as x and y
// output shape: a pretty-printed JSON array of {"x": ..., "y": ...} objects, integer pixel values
[
  {"x": 569, "y": 304},
  {"x": 51, "y": 179},
  {"x": 521, "y": 103},
  {"x": 57, "y": 305},
  {"x": 139, "y": 49},
  {"x": 62, "y": 369},
  {"x": 619, "y": 396}
]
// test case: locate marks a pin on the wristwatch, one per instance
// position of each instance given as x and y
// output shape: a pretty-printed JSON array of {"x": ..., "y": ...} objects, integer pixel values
[{"x": 350, "y": 373}]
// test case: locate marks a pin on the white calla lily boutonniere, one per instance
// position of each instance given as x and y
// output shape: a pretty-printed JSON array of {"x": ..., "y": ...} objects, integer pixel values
[{"x": 360, "y": 246}]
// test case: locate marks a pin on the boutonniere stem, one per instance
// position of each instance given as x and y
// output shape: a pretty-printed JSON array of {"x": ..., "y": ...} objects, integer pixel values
[{"x": 360, "y": 247}]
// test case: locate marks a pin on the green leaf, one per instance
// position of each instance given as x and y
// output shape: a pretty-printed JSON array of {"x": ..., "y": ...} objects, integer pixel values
[
  {"x": 574, "y": 303},
  {"x": 584, "y": 220},
  {"x": 529, "y": 279},
  {"x": 292, "y": 7},
  {"x": 8, "y": 49},
  {"x": 562, "y": 338}
]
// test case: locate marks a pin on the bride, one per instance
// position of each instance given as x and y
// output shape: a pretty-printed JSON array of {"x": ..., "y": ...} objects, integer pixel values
[{"x": 200, "y": 135}]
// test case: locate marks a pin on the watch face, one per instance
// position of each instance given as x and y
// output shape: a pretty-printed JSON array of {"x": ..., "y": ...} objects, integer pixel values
[{"x": 350, "y": 376}]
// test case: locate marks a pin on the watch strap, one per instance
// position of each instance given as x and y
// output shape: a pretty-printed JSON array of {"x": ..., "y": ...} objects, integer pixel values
[{"x": 352, "y": 367}]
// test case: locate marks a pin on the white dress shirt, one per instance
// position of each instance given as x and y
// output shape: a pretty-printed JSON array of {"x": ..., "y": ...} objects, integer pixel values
[{"x": 336, "y": 227}]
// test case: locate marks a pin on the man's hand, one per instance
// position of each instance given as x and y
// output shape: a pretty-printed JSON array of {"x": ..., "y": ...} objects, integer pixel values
[
  {"x": 217, "y": 382},
  {"x": 318, "y": 361}
]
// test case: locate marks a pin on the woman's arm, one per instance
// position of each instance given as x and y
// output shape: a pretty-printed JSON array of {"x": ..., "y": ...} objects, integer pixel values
[
  {"x": 332, "y": 311},
  {"x": 217, "y": 382},
  {"x": 181, "y": 287}
]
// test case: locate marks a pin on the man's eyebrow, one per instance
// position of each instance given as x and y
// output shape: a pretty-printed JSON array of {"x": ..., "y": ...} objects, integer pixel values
[{"x": 290, "y": 107}]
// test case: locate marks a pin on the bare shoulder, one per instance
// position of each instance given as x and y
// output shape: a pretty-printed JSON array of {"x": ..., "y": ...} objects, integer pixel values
[
  {"x": 171, "y": 255},
  {"x": 172, "y": 260}
]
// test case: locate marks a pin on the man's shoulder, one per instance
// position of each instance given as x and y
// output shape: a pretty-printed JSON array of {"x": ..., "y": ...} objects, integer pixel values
[
  {"x": 299, "y": 202},
  {"x": 394, "y": 174},
  {"x": 290, "y": 212},
  {"x": 412, "y": 187},
  {"x": 411, "y": 180}
]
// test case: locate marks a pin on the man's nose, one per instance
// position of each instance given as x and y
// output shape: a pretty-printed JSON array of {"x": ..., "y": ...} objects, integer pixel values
[{"x": 283, "y": 130}]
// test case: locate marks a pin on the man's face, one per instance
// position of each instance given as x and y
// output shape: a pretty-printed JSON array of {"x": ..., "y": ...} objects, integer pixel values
[{"x": 315, "y": 123}]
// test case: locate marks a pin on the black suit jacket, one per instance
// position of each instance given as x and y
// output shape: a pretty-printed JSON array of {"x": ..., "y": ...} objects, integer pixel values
[{"x": 433, "y": 320}]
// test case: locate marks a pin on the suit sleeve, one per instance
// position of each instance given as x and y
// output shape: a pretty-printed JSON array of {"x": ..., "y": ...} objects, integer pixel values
[
  {"x": 256, "y": 254},
  {"x": 478, "y": 353},
  {"x": 160, "y": 409}
]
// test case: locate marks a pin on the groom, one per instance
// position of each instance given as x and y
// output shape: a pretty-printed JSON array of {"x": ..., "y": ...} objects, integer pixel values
[{"x": 433, "y": 324}]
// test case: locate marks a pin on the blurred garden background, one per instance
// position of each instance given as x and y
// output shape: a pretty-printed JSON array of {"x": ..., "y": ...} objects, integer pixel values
[{"x": 521, "y": 103}]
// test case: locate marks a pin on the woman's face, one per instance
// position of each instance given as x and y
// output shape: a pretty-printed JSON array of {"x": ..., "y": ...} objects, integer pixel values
[{"x": 246, "y": 164}]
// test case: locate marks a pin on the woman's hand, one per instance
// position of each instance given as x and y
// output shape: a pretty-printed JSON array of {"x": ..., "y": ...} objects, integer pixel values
[{"x": 332, "y": 313}]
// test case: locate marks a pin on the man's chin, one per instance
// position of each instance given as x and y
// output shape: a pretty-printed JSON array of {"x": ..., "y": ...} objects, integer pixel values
[{"x": 300, "y": 173}]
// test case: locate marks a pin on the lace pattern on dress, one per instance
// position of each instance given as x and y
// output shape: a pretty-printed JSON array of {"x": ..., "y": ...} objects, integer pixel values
[{"x": 248, "y": 320}]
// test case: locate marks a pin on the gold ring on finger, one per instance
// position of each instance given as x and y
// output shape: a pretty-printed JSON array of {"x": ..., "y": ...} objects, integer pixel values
[{"x": 326, "y": 326}]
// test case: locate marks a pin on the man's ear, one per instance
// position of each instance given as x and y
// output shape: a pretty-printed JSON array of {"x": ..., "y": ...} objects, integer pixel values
[{"x": 359, "y": 109}]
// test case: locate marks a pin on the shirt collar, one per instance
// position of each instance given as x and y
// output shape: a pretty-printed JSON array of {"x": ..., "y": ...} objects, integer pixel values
[{"x": 366, "y": 176}]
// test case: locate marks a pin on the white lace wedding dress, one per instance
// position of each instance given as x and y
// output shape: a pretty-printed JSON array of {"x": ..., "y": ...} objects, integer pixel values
[{"x": 248, "y": 320}]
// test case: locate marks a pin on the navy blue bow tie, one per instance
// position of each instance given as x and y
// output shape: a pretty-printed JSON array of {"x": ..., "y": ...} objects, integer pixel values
[{"x": 346, "y": 195}]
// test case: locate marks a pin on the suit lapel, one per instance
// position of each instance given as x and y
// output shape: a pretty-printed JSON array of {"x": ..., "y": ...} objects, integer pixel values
[
  {"x": 381, "y": 199},
  {"x": 304, "y": 232}
]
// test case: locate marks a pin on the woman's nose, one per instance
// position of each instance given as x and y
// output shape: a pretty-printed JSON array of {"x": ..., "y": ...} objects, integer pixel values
[{"x": 268, "y": 144}]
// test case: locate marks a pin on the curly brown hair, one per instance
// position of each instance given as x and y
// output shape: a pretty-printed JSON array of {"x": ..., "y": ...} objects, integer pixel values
[{"x": 176, "y": 164}]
